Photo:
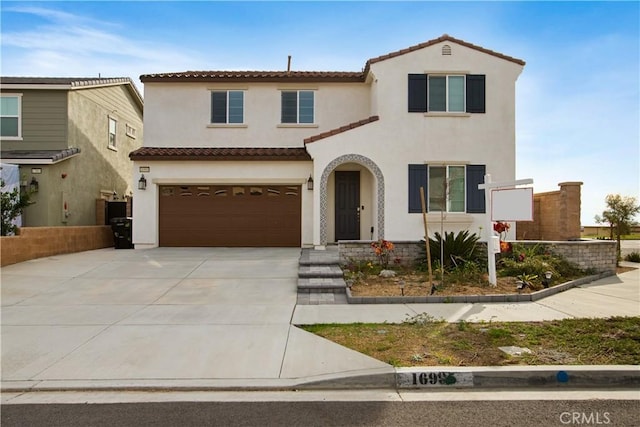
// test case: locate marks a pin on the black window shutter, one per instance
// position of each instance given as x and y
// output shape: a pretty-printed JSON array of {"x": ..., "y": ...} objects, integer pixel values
[
  {"x": 218, "y": 107},
  {"x": 417, "y": 179},
  {"x": 475, "y": 93},
  {"x": 475, "y": 197},
  {"x": 417, "y": 93}
]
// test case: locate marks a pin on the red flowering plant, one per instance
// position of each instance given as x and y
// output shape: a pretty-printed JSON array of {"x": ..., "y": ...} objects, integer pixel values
[
  {"x": 383, "y": 250},
  {"x": 501, "y": 228}
]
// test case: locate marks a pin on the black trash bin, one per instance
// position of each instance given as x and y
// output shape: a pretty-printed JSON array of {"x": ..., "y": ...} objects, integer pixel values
[{"x": 122, "y": 235}]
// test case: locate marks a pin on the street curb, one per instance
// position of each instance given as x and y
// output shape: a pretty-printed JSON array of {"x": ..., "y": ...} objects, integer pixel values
[
  {"x": 508, "y": 298},
  {"x": 422, "y": 378}
]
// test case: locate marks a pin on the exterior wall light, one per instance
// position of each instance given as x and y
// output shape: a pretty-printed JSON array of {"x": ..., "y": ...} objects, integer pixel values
[
  {"x": 33, "y": 185},
  {"x": 142, "y": 183},
  {"x": 310, "y": 183}
]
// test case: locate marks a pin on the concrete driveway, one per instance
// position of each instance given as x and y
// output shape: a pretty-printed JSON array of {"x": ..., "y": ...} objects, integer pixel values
[{"x": 111, "y": 318}]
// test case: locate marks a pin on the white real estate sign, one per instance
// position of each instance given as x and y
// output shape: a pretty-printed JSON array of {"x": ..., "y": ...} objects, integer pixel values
[{"x": 512, "y": 204}]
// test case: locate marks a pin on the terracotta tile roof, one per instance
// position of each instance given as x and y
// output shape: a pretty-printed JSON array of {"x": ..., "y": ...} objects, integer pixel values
[
  {"x": 443, "y": 38},
  {"x": 211, "y": 153},
  {"x": 308, "y": 76},
  {"x": 253, "y": 76},
  {"x": 341, "y": 129}
]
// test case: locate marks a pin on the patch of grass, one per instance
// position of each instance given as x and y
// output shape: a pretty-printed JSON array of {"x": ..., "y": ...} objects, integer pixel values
[{"x": 613, "y": 341}]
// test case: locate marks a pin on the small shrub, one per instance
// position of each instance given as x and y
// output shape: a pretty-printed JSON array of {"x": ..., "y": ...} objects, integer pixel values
[
  {"x": 535, "y": 261},
  {"x": 417, "y": 358},
  {"x": 463, "y": 325},
  {"x": 383, "y": 250},
  {"x": 632, "y": 257},
  {"x": 422, "y": 319},
  {"x": 469, "y": 272}
]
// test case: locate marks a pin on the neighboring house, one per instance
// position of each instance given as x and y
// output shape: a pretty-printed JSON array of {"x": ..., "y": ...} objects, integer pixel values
[
  {"x": 230, "y": 156},
  {"x": 71, "y": 138}
]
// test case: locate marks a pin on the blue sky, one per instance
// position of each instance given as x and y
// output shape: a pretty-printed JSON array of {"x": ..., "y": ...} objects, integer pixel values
[{"x": 578, "y": 98}]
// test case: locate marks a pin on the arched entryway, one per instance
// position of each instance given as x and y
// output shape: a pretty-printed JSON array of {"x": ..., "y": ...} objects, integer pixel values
[{"x": 378, "y": 192}]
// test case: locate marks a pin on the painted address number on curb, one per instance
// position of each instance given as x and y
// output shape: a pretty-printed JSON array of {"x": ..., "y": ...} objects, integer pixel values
[{"x": 419, "y": 379}]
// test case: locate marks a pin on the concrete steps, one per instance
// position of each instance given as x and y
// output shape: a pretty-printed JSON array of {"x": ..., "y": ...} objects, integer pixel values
[{"x": 320, "y": 278}]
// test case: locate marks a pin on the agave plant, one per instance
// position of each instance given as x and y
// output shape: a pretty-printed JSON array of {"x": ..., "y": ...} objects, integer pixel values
[{"x": 454, "y": 249}]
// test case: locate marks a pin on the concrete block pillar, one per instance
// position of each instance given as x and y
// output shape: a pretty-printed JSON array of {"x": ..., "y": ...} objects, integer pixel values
[{"x": 569, "y": 207}]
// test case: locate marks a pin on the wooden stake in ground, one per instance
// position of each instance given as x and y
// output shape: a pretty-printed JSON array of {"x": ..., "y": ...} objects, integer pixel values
[{"x": 426, "y": 236}]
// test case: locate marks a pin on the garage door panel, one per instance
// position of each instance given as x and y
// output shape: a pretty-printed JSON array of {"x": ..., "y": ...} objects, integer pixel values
[{"x": 252, "y": 215}]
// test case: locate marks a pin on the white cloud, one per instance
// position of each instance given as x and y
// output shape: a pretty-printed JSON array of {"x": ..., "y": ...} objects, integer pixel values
[{"x": 72, "y": 45}]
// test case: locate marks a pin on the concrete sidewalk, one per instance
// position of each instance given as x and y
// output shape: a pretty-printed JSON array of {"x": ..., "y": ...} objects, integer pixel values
[{"x": 207, "y": 318}]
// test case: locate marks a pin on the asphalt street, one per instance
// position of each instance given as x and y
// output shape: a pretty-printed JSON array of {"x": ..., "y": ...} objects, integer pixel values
[{"x": 377, "y": 413}]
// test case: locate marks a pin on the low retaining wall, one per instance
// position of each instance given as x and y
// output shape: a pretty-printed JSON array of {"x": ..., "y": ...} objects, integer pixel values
[
  {"x": 405, "y": 252},
  {"x": 594, "y": 255},
  {"x": 38, "y": 242}
]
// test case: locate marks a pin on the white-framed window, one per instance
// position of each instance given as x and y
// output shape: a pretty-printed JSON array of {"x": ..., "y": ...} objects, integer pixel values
[
  {"x": 113, "y": 131},
  {"x": 447, "y": 187},
  {"x": 446, "y": 93},
  {"x": 130, "y": 131},
  {"x": 11, "y": 116},
  {"x": 227, "y": 107},
  {"x": 297, "y": 107}
]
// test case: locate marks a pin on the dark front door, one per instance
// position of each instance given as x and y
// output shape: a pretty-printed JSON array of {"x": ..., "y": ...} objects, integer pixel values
[{"x": 347, "y": 206}]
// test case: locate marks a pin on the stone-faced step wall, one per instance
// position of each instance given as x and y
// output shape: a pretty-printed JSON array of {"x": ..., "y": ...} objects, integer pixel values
[{"x": 596, "y": 255}]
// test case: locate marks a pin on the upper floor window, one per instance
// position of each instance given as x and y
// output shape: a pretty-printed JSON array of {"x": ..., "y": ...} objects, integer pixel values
[
  {"x": 130, "y": 131},
  {"x": 227, "y": 106},
  {"x": 297, "y": 107},
  {"x": 11, "y": 116},
  {"x": 449, "y": 188},
  {"x": 446, "y": 93},
  {"x": 113, "y": 126}
]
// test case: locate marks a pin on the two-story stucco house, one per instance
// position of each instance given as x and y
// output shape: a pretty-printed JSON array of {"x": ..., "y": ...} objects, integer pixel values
[
  {"x": 291, "y": 158},
  {"x": 71, "y": 138}
]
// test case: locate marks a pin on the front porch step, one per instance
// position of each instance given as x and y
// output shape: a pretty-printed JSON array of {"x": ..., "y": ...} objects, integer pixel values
[
  {"x": 320, "y": 278},
  {"x": 320, "y": 271},
  {"x": 321, "y": 285},
  {"x": 328, "y": 256}
]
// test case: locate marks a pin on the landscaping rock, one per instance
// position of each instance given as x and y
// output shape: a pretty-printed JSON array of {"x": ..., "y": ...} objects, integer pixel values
[{"x": 387, "y": 273}]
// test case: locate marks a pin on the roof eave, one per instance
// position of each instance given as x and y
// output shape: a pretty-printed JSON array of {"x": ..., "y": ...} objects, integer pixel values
[
  {"x": 243, "y": 79},
  {"x": 443, "y": 38}
]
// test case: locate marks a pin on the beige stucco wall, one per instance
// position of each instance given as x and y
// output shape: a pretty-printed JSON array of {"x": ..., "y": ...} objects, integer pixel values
[
  {"x": 180, "y": 114},
  {"x": 400, "y": 138},
  {"x": 145, "y": 211}
]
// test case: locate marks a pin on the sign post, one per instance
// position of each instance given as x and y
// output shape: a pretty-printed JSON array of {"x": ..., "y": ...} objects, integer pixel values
[{"x": 493, "y": 242}]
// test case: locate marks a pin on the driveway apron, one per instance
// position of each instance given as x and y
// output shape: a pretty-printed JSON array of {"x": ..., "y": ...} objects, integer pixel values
[{"x": 164, "y": 314}]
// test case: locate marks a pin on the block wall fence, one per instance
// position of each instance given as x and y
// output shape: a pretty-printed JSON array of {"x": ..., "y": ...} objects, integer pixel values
[
  {"x": 38, "y": 242},
  {"x": 556, "y": 215},
  {"x": 595, "y": 255}
]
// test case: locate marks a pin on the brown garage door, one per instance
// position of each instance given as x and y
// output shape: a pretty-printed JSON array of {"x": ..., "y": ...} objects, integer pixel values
[{"x": 236, "y": 215}]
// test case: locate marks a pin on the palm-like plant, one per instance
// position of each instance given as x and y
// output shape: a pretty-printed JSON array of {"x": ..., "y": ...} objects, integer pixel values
[{"x": 453, "y": 250}]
